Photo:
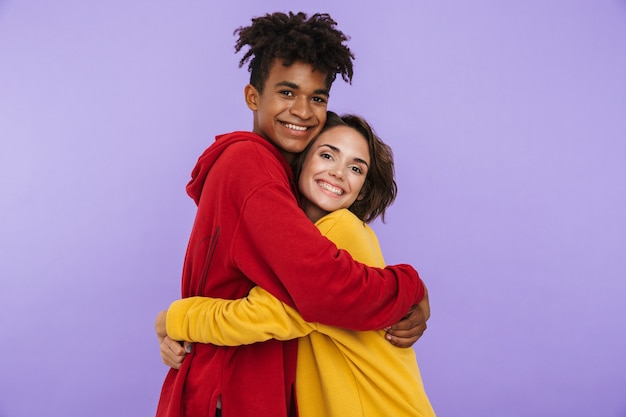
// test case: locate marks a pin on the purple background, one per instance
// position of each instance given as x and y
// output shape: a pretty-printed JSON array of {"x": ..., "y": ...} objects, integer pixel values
[{"x": 508, "y": 122}]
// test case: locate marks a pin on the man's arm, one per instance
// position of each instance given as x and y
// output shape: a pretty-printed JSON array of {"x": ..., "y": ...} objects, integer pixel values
[
  {"x": 322, "y": 282},
  {"x": 408, "y": 330}
]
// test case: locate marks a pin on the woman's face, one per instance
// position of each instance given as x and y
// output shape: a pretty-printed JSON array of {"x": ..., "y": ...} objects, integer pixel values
[{"x": 334, "y": 171}]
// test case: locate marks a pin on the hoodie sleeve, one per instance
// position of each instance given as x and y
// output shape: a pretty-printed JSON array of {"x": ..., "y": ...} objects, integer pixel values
[{"x": 277, "y": 247}]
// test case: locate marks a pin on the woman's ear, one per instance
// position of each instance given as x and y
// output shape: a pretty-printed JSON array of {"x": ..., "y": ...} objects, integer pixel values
[{"x": 251, "y": 95}]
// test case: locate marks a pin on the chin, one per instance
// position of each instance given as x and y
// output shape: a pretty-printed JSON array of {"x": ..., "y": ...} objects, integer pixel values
[{"x": 296, "y": 148}]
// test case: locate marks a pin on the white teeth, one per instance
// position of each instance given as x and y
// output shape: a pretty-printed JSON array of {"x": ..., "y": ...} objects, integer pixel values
[
  {"x": 330, "y": 188},
  {"x": 295, "y": 127}
]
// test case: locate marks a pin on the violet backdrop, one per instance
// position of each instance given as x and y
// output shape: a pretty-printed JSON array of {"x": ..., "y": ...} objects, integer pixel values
[{"x": 508, "y": 122}]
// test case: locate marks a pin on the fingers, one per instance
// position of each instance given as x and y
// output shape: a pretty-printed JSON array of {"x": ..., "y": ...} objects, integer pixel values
[
  {"x": 414, "y": 318},
  {"x": 408, "y": 330},
  {"x": 402, "y": 342},
  {"x": 416, "y": 331},
  {"x": 172, "y": 353},
  {"x": 405, "y": 338}
]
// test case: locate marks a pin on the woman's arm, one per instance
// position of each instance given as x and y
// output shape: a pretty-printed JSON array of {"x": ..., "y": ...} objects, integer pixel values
[{"x": 255, "y": 318}]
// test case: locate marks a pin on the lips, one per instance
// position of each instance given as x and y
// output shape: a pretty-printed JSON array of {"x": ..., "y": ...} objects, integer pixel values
[
  {"x": 294, "y": 127},
  {"x": 331, "y": 188}
]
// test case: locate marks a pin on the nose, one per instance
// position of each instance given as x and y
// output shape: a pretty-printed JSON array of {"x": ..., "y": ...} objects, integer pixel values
[
  {"x": 336, "y": 172},
  {"x": 301, "y": 108}
]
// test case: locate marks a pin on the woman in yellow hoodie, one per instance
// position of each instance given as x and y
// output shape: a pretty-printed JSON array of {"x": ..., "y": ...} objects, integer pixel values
[{"x": 346, "y": 180}]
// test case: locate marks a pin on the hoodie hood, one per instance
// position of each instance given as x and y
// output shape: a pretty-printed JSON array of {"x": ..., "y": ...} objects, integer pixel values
[{"x": 213, "y": 152}]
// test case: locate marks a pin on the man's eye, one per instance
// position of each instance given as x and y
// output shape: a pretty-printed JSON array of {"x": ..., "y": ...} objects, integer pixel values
[
  {"x": 319, "y": 99},
  {"x": 286, "y": 93}
]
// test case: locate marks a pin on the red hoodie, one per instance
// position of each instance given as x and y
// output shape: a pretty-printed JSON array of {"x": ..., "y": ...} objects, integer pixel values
[{"x": 249, "y": 230}]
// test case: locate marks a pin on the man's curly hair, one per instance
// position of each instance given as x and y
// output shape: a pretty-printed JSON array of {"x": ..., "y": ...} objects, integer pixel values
[{"x": 294, "y": 37}]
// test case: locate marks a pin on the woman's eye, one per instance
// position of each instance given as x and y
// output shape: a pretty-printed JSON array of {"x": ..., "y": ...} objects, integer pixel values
[
  {"x": 357, "y": 170},
  {"x": 325, "y": 156}
]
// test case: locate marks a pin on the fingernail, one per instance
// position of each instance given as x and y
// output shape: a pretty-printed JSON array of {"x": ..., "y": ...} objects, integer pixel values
[{"x": 188, "y": 348}]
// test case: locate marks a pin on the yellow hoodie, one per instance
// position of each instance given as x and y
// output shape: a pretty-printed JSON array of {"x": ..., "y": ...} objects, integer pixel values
[{"x": 339, "y": 372}]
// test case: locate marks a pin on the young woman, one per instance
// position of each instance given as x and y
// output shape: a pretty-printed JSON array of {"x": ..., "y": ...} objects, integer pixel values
[{"x": 345, "y": 178}]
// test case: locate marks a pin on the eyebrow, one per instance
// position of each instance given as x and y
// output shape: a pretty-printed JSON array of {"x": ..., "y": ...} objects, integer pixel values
[
  {"x": 322, "y": 91},
  {"x": 337, "y": 150}
]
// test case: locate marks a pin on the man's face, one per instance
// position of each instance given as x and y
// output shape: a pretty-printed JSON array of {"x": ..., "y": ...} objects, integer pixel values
[{"x": 291, "y": 111}]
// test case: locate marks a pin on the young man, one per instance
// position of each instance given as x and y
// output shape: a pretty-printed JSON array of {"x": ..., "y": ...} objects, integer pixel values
[{"x": 249, "y": 227}]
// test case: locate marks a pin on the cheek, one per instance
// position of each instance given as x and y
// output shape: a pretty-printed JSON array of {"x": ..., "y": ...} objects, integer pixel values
[
  {"x": 319, "y": 167},
  {"x": 305, "y": 177},
  {"x": 319, "y": 127}
]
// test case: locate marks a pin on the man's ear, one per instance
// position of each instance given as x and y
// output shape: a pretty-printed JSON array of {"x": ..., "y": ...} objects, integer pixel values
[{"x": 251, "y": 95}]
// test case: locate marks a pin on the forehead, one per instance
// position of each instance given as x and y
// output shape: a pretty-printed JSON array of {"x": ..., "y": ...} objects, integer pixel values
[
  {"x": 347, "y": 139},
  {"x": 301, "y": 75}
]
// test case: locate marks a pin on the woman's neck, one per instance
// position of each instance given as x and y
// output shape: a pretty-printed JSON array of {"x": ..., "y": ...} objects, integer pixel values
[{"x": 313, "y": 212}]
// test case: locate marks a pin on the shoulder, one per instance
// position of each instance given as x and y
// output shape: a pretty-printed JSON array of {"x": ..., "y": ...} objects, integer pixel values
[
  {"x": 340, "y": 220},
  {"x": 253, "y": 159},
  {"x": 342, "y": 225},
  {"x": 349, "y": 232},
  {"x": 253, "y": 150},
  {"x": 239, "y": 163}
]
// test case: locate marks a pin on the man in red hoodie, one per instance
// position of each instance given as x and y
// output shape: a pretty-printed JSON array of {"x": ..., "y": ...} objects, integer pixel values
[{"x": 249, "y": 229}]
